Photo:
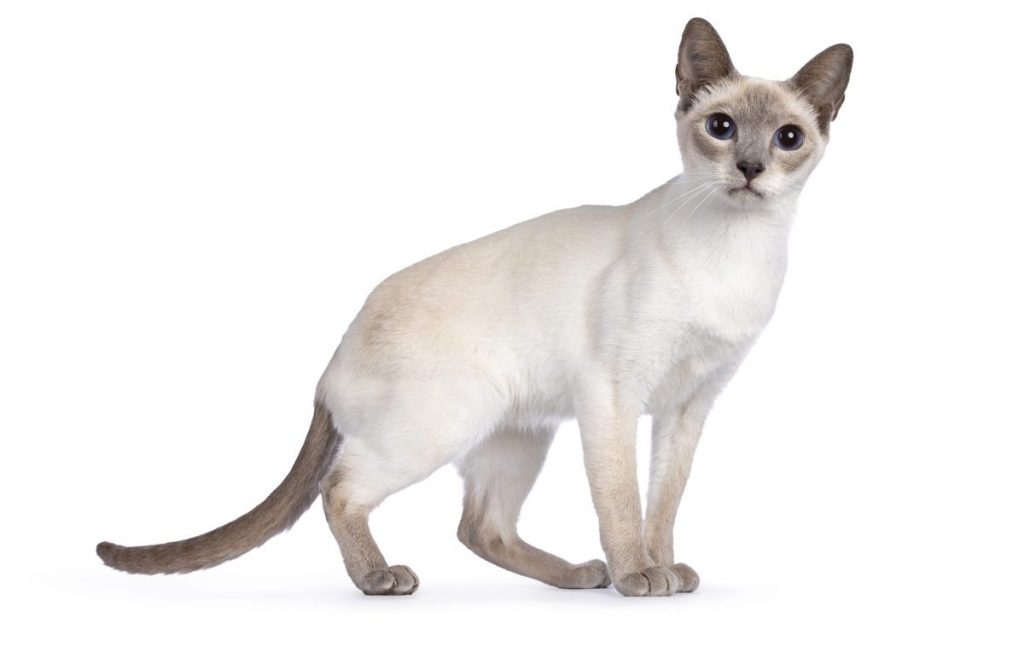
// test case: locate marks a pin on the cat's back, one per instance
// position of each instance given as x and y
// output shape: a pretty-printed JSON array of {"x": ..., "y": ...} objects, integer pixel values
[
  {"x": 547, "y": 252},
  {"x": 526, "y": 281}
]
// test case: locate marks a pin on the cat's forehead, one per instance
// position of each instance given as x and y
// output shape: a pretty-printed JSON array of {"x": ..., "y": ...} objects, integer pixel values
[{"x": 754, "y": 101}]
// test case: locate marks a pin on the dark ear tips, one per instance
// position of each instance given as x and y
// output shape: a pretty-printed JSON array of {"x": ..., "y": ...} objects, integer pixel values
[
  {"x": 845, "y": 50},
  {"x": 696, "y": 23},
  {"x": 843, "y": 54}
]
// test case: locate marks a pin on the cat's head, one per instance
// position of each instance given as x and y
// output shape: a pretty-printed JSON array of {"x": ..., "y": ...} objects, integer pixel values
[{"x": 759, "y": 139}]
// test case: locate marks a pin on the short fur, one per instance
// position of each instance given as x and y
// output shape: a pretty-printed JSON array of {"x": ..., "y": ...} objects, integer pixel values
[{"x": 599, "y": 313}]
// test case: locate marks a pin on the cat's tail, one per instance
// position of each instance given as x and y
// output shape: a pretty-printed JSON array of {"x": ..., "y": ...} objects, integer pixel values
[{"x": 277, "y": 513}]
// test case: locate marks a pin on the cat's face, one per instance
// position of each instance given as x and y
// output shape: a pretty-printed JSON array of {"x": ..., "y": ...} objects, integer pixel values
[
  {"x": 758, "y": 137},
  {"x": 758, "y": 140}
]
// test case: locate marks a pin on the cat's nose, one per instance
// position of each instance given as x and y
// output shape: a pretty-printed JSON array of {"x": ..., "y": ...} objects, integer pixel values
[{"x": 749, "y": 169}]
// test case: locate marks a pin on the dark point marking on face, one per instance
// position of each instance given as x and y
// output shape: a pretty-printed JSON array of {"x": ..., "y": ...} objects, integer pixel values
[
  {"x": 791, "y": 161},
  {"x": 707, "y": 83},
  {"x": 710, "y": 148},
  {"x": 758, "y": 109},
  {"x": 704, "y": 61}
]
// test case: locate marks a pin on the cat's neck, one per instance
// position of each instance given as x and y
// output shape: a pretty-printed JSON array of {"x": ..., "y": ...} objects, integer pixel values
[{"x": 690, "y": 211}]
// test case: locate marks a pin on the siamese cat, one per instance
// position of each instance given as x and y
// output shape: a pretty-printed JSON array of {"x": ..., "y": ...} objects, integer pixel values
[{"x": 599, "y": 313}]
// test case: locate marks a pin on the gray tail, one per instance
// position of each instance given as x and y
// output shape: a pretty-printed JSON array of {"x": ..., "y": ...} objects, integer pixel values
[{"x": 274, "y": 515}]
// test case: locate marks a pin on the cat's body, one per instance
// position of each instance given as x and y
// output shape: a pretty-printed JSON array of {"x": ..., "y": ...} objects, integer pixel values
[
  {"x": 530, "y": 316},
  {"x": 603, "y": 314}
]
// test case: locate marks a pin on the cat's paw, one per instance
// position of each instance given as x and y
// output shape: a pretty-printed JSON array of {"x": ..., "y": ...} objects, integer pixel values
[
  {"x": 688, "y": 578},
  {"x": 653, "y": 581},
  {"x": 590, "y": 575},
  {"x": 394, "y": 580}
]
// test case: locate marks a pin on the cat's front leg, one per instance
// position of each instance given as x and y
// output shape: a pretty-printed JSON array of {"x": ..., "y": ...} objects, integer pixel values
[
  {"x": 609, "y": 452},
  {"x": 673, "y": 442}
]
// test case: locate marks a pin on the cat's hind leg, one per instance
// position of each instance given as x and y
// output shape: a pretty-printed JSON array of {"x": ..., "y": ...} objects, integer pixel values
[
  {"x": 350, "y": 493},
  {"x": 499, "y": 473},
  {"x": 386, "y": 449}
]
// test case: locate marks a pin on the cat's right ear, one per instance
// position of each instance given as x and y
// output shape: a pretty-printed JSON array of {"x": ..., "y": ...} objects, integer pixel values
[{"x": 703, "y": 60}]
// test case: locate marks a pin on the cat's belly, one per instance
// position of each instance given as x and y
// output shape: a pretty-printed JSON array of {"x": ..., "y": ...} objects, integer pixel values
[{"x": 540, "y": 394}]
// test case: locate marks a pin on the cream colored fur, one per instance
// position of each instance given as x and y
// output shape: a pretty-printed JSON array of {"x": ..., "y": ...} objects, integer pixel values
[{"x": 598, "y": 313}]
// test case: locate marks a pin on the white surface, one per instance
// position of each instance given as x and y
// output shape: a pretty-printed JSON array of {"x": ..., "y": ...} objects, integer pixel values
[{"x": 196, "y": 197}]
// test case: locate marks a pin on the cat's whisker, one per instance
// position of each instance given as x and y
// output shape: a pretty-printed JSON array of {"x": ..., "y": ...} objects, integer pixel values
[
  {"x": 673, "y": 200},
  {"x": 712, "y": 177},
  {"x": 710, "y": 191},
  {"x": 708, "y": 185},
  {"x": 706, "y": 197},
  {"x": 693, "y": 177},
  {"x": 689, "y": 193}
]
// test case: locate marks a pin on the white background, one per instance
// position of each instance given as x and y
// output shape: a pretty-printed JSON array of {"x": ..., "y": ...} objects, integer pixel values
[{"x": 196, "y": 197}]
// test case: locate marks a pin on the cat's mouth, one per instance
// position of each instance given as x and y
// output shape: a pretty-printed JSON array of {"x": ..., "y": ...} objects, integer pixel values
[{"x": 746, "y": 190}]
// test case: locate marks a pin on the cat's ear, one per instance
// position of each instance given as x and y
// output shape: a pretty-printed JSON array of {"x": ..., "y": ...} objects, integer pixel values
[
  {"x": 703, "y": 60},
  {"x": 822, "y": 81}
]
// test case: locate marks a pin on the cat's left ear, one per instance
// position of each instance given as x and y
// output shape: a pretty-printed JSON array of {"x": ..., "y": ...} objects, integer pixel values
[{"x": 822, "y": 81}]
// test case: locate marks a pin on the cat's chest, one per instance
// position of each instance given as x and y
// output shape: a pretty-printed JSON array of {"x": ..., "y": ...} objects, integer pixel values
[
  {"x": 718, "y": 313},
  {"x": 726, "y": 287}
]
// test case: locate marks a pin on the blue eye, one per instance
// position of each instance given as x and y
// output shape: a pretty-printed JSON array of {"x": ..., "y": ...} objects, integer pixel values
[
  {"x": 788, "y": 137},
  {"x": 720, "y": 126}
]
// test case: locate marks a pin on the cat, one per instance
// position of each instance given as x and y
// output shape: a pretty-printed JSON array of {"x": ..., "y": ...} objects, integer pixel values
[{"x": 599, "y": 313}]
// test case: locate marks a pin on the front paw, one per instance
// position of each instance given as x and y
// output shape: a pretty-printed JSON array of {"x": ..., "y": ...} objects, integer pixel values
[
  {"x": 688, "y": 578},
  {"x": 653, "y": 581}
]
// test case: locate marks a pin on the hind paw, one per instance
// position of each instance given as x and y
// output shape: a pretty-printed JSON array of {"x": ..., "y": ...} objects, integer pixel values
[{"x": 591, "y": 575}]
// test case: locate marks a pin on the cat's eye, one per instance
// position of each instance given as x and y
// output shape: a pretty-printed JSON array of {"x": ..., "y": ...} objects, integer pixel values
[
  {"x": 720, "y": 126},
  {"x": 788, "y": 137}
]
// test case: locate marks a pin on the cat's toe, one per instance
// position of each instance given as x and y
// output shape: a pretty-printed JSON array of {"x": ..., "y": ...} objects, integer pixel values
[
  {"x": 653, "y": 581},
  {"x": 394, "y": 580},
  {"x": 406, "y": 581}
]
